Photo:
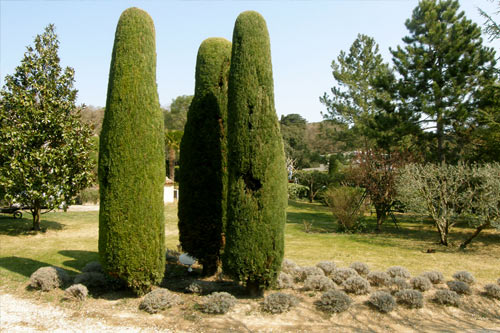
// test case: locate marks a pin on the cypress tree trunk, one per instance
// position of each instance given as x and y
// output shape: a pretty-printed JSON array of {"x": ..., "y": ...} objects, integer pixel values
[
  {"x": 257, "y": 183},
  {"x": 131, "y": 160},
  {"x": 203, "y": 158}
]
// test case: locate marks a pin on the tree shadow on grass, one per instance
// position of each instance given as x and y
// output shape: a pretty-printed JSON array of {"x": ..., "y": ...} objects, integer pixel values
[
  {"x": 16, "y": 227},
  {"x": 80, "y": 258},
  {"x": 24, "y": 266}
]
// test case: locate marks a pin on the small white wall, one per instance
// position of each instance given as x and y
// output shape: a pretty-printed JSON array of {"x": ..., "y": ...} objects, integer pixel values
[{"x": 168, "y": 194}]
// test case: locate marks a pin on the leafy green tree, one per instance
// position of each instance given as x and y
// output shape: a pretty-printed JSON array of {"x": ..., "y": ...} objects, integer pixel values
[
  {"x": 132, "y": 160},
  {"x": 172, "y": 144},
  {"x": 203, "y": 159},
  {"x": 175, "y": 115},
  {"x": 293, "y": 129},
  {"x": 486, "y": 134},
  {"x": 257, "y": 177},
  {"x": 316, "y": 181},
  {"x": 443, "y": 69},
  {"x": 44, "y": 147}
]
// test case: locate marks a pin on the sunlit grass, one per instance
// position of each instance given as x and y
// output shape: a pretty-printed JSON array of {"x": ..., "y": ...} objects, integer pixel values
[{"x": 70, "y": 241}]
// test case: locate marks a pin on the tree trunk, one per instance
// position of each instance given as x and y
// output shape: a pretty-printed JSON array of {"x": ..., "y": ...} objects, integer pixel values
[
  {"x": 440, "y": 137},
  {"x": 311, "y": 194},
  {"x": 254, "y": 289},
  {"x": 171, "y": 163},
  {"x": 35, "y": 212},
  {"x": 381, "y": 215},
  {"x": 443, "y": 234},
  {"x": 209, "y": 267},
  {"x": 478, "y": 230}
]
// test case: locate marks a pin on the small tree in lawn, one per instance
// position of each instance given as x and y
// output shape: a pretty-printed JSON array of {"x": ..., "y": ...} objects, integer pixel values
[
  {"x": 440, "y": 190},
  {"x": 44, "y": 147},
  {"x": 483, "y": 199},
  {"x": 315, "y": 181},
  {"x": 203, "y": 158},
  {"x": 132, "y": 159},
  {"x": 257, "y": 176},
  {"x": 376, "y": 173}
]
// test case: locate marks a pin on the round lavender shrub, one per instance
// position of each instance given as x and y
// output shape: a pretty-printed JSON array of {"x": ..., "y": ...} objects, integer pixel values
[
  {"x": 318, "y": 282},
  {"x": 411, "y": 298},
  {"x": 398, "y": 271},
  {"x": 464, "y": 276},
  {"x": 218, "y": 303},
  {"x": 361, "y": 268},
  {"x": 279, "y": 303},
  {"x": 383, "y": 301},
  {"x": 333, "y": 301},
  {"x": 327, "y": 266},
  {"x": 48, "y": 278},
  {"x": 158, "y": 300},
  {"x": 356, "y": 285},
  {"x": 339, "y": 275},
  {"x": 434, "y": 276},
  {"x": 77, "y": 292},
  {"x": 194, "y": 288},
  {"x": 459, "y": 287},
  {"x": 447, "y": 297},
  {"x": 310, "y": 271},
  {"x": 400, "y": 283},
  {"x": 492, "y": 290},
  {"x": 284, "y": 281},
  {"x": 379, "y": 279},
  {"x": 288, "y": 266},
  {"x": 421, "y": 283}
]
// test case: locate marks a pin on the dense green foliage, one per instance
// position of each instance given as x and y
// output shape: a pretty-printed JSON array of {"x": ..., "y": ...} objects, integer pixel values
[
  {"x": 203, "y": 158},
  {"x": 360, "y": 99},
  {"x": 131, "y": 159},
  {"x": 175, "y": 116},
  {"x": 257, "y": 183},
  {"x": 44, "y": 147},
  {"x": 443, "y": 70}
]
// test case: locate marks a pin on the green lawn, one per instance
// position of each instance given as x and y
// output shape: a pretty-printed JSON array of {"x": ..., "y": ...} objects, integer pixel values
[{"x": 70, "y": 241}]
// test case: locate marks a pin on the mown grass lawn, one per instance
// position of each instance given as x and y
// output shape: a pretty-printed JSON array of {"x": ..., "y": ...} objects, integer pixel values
[{"x": 70, "y": 241}]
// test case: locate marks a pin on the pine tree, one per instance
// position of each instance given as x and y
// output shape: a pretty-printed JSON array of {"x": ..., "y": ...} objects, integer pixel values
[
  {"x": 443, "y": 68},
  {"x": 131, "y": 159},
  {"x": 257, "y": 180},
  {"x": 203, "y": 158}
]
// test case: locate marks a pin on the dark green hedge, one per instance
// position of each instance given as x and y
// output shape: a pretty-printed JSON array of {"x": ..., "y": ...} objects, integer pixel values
[
  {"x": 257, "y": 181},
  {"x": 203, "y": 158},
  {"x": 131, "y": 159}
]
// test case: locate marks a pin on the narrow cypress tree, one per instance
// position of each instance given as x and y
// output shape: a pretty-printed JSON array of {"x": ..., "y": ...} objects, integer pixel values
[
  {"x": 257, "y": 179},
  {"x": 203, "y": 158},
  {"x": 131, "y": 159}
]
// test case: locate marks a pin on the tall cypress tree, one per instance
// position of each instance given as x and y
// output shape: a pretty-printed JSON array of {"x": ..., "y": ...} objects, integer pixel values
[
  {"x": 203, "y": 158},
  {"x": 131, "y": 159},
  {"x": 257, "y": 180}
]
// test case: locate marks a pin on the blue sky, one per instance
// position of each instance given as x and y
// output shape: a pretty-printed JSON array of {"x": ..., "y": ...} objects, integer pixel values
[{"x": 305, "y": 37}]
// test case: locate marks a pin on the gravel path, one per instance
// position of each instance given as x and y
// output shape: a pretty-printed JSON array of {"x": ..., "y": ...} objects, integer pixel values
[{"x": 19, "y": 315}]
